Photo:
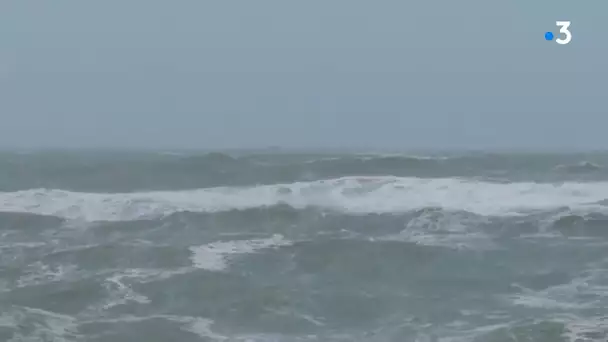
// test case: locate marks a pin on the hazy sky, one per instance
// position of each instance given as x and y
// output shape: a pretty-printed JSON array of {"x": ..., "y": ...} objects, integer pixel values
[{"x": 339, "y": 73}]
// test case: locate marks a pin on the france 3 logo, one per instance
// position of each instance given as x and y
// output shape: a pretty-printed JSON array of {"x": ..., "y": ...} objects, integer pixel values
[{"x": 564, "y": 30}]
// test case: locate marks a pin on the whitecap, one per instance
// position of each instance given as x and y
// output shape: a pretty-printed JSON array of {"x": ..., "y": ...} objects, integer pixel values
[{"x": 354, "y": 195}]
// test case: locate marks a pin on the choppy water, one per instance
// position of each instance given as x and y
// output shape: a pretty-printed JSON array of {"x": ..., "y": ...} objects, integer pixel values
[{"x": 303, "y": 247}]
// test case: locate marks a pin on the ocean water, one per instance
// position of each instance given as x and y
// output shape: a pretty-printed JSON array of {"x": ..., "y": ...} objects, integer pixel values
[{"x": 143, "y": 246}]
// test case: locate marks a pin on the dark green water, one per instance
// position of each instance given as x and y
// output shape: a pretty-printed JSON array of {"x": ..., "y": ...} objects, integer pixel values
[{"x": 106, "y": 246}]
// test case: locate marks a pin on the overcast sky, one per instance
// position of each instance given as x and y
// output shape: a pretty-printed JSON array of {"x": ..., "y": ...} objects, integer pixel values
[{"x": 338, "y": 73}]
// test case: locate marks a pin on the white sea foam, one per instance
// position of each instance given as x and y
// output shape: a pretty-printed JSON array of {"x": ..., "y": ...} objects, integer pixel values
[
  {"x": 215, "y": 256},
  {"x": 40, "y": 273},
  {"x": 45, "y": 325},
  {"x": 587, "y": 291},
  {"x": 196, "y": 325},
  {"x": 587, "y": 330},
  {"x": 121, "y": 293},
  {"x": 358, "y": 195},
  {"x": 447, "y": 229}
]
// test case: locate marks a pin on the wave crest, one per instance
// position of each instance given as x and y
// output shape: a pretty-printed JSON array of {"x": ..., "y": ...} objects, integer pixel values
[{"x": 354, "y": 195}]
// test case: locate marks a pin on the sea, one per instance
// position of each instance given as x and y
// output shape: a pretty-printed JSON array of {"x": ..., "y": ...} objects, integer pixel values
[{"x": 275, "y": 245}]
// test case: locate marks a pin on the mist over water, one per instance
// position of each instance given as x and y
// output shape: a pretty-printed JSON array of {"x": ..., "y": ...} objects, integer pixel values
[{"x": 303, "y": 247}]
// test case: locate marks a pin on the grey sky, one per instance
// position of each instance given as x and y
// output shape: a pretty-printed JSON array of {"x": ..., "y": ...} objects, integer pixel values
[{"x": 340, "y": 73}]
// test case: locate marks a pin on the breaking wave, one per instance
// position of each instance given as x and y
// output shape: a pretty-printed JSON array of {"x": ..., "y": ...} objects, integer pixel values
[{"x": 354, "y": 195}]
